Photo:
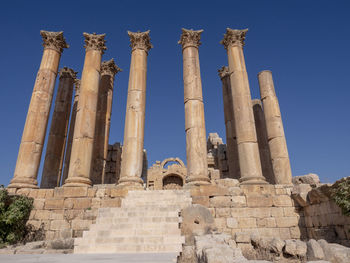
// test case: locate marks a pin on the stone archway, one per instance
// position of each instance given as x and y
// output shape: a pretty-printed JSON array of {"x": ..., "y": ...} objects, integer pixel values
[
  {"x": 172, "y": 182},
  {"x": 176, "y": 160}
]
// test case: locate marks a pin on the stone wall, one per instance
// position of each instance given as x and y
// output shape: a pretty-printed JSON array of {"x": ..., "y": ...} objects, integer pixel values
[
  {"x": 266, "y": 209},
  {"x": 66, "y": 212},
  {"x": 323, "y": 218}
]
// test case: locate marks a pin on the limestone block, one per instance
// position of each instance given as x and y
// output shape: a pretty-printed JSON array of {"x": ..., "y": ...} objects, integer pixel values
[
  {"x": 277, "y": 212},
  {"x": 266, "y": 222},
  {"x": 38, "y": 204},
  {"x": 111, "y": 202},
  {"x": 238, "y": 201},
  {"x": 246, "y": 222},
  {"x": 284, "y": 233},
  {"x": 314, "y": 250},
  {"x": 300, "y": 194},
  {"x": 201, "y": 200},
  {"x": 282, "y": 200},
  {"x": 59, "y": 225},
  {"x": 54, "y": 203},
  {"x": 78, "y": 224},
  {"x": 259, "y": 200},
  {"x": 220, "y": 201},
  {"x": 209, "y": 190},
  {"x": 91, "y": 192},
  {"x": 227, "y": 182},
  {"x": 57, "y": 215},
  {"x": 334, "y": 252},
  {"x": 242, "y": 237},
  {"x": 220, "y": 223},
  {"x": 287, "y": 221},
  {"x": 235, "y": 191},
  {"x": 81, "y": 203},
  {"x": 290, "y": 211},
  {"x": 295, "y": 232},
  {"x": 118, "y": 192},
  {"x": 311, "y": 179},
  {"x": 223, "y": 212},
  {"x": 219, "y": 253},
  {"x": 231, "y": 222},
  {"x": 242, "y": 212},
  {"x": 258, "y": 189},
  {"x": 261, "y": 212},
  {"x": 61, "y": 244},
  {"x": 42, "y": 215}
]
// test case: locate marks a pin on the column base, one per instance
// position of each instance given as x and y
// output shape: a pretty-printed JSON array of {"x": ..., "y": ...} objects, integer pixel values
[
  {"x": 252, "y": 180},
  {"x": 23, "y": 183},
  {"x": 77, "y": 181},
  {"x": 131, "y": 183},
  {"x": 198, "y": 180}
]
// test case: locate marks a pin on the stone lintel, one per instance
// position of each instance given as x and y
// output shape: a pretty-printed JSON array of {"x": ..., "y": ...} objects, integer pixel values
[
  {"x": 95, "y": 42},
  {"x": 109, "y": 68},
  {"x": 140, "y": 40},
  {"x": 190, "y": 38},
  {"x": 54, "y": 40},
  {"x": 234, "y": 37}
]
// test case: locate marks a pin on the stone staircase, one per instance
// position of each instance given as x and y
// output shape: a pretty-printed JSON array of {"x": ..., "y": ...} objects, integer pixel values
[{"x": 146, "y": 222}]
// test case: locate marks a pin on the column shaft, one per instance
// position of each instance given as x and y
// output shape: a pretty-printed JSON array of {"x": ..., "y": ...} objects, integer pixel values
[
  {"x": 231, "y": 139},
  {"x": 275, "y": 131},
  {"x": 33, "y": 137},
  {"x": 264, "y": 150},
  {"x": 84, "y": 130},
  {"x": 103, "y": 116},
  {"x": 58, "y": 130},
  {"x": 196, "y": 146},
  {"x": 132, "y": 154},
  {"x": 248, "y": 151},
  {"x": 71, "y": 132}
]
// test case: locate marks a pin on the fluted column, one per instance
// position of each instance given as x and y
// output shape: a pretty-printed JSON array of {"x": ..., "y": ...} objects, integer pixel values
[
  {"x": 71, "y": 131},
  {"x": 58, "y": 130},
  {"x": 33, "y": 136},
  {"x": 103, "y": 120},
  {"x": 264, "y": 150},
  {"x": 132, "y": 155},
  {"x": 248, "y": 151},
  {"x": 231, "y": 139},
  {"x": 84, "y": 130},
  {"x": 275, "y": 131},
  {"x": 196, "y": 145}
]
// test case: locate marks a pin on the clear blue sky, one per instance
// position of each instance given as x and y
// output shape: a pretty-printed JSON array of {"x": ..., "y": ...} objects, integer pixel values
[{"x": 306, "y": 44}]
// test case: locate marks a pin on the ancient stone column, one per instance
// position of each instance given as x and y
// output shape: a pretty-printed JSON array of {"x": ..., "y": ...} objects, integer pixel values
[
  {"x": 231, "y": 139},
  {"x": 196, "y": 146},
  {"x": 71, "y": 131},
  {"x": 132, "y": 155},
  {"x": 275, "y": 131},
  {"x": 33, "y": 136},
  {"x": 103, "y": 120},
  {"x": 264, "y": 150},
  {"x": 248, "y": 151},
  {"x": 58, "y": 130},
  {"x": 84, "y": 130}
]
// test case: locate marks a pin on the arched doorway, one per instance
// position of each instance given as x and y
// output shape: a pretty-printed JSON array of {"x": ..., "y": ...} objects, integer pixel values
[{"x": 172, "y": 182}]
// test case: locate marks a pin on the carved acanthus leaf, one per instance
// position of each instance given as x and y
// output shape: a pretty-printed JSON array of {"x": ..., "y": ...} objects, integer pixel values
[
  {"x": 54, "y": 40},
  {"x": 140, "y": 40},
  {"x": 67, "y": 73},
  {"x": 190, "y": 38},
  {"x": 95, "y": 42},
  {"x": 234, "y": 37},
  {"x": 109, "y": 68},
  {"x": 223, "y": 72}
]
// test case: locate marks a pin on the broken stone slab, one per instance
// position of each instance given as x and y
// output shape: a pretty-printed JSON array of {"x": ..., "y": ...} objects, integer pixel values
[
  {"x": 314, "y": 250},
  {"x": 295, "y": 248},
  {"x": 218, "y": 254},
  {"x": 335, "y": 253},
  {"x": 208, "y": 241},
  {"x": 300, "y": 194},
  {"x": 311, "y": 179},
  {"x": 242, "y": 237}
]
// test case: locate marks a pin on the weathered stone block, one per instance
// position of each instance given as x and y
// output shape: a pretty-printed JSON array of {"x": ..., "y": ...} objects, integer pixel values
[
  {"x": 209, "y": 190},
  {"x": 220, "y": 201},
  {"x": 81, "y": 203},
  {"x": 266, "y": 222},
  {"x": 54, "y": 203},
  {"x": 59, "y": 225},
  {"x": 201, "y": 200},
  {"x": 238, "y": 201},
  {"x": 111, "y": 202},
  {"x": 57, "y": 215},
  {"x": 246, "y": 222},
  {"x": 231, "y": 222},
  {"x": 257, "y": 200},
  {"x": 220, "y": 223},
  {"x": 235, "y": 191},
  {"x": 78, "y": 224},
  {"x": 118, "y": 192},
  {"x": 42, "y": 214},
  {"x": 75, "y": 191},
  {"x": 38, "y": 203},
  {"x": 287, "y": 221},
  {"x": 258, "y": 189},
  {"x": 242, "y": 237},
  {"x": 223, "y": 212},
  {"x": 282, "y": 200}
]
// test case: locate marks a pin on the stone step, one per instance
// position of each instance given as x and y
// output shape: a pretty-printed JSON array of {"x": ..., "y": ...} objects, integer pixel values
[
  {"x": 153, "y": 207},
  {"x": 127, "y": 248},
  {"x": 131, "y": 232},
  {"x": 130, "y": 214},
  {"x": 140, "y": 219},
  {"x": 132, "y": 226},
  {"x": 134, "y": 203},
  {"x": 170, "y": 239}
]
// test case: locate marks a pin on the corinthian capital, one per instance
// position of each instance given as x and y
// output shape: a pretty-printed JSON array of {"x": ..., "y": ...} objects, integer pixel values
[
  {"x": 234, "y": 37},
  {"x": 77, "y": 83},
  {"x": 190, "y": 38},
  {"x": 67, "y": 73},
  {"x": 95, "y": 42},
  {"x": 54, "y": 40},
  {"x": 223, "y": 72},
  {"x": 109, "y": 68},
  {"x": 140, "y": 40}
]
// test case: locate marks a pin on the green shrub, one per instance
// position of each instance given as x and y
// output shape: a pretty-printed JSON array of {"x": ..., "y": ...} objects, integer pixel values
[
  {"x": 340, "y": 194},
  {"x": 14, "y": 213}
]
